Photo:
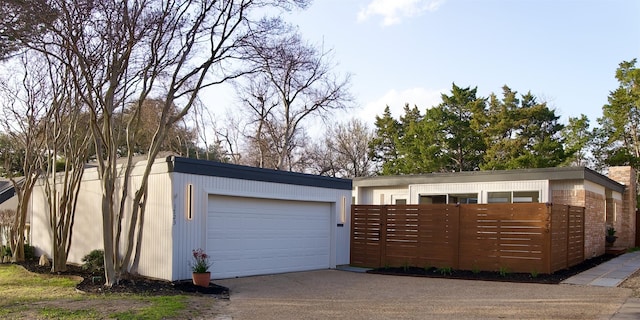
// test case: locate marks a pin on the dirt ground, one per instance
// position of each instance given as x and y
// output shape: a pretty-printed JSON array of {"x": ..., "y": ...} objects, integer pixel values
[{"x": 633, "y": 283}]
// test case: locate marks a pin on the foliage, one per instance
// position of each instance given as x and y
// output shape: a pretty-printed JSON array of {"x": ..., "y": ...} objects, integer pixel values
[
  {"x": 29, "y": 252},
  {"x": 578, "y": 140},
  {"x": 382, "y": 148},
  {"x": 534, "y": 273},
  {"x": 611, "y": 231},
  {"x": 466, "y": 133},
  {"x": 11, "y": 156},
  {"x": 94, "y": 261},
  {"x": 21, "y": 21},
  {"x": 504, "y": 271},
  {"x": 5, "y": 252},
  {"x": 459, "y": 134},
  {"x": 445, "y": 270},
  {"x": 200, "y": 263},
  {"x": 618, "y": 138}
]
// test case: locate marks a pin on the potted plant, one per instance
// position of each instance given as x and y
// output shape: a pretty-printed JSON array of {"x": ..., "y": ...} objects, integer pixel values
[
  {"x": 200, "y": 268},
  {"x": 611, "y": 236}
]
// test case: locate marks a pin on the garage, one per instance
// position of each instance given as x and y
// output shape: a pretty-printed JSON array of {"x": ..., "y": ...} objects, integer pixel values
[{"x": 252, "y": 236}]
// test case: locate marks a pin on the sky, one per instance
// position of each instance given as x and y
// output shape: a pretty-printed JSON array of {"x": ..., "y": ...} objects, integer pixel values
[{"x": 410, "y": 51}]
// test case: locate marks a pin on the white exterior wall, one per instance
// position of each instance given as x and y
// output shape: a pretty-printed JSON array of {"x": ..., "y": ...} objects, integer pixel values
[
  {"x": 191, "y": 234},
  {"x": 11, "y": 204},
  {"x": 381, "y": 195},
  {"x": 87, "y": 232}
]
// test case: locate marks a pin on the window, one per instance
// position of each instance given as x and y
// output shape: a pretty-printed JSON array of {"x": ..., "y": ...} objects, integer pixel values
[
  {"x": 514, "y": 197},
  {"x": 401, "y": 201},
  {"x": 499, "y": 197},
  {"x": 432, "y": 199},
  {"x": 463, "y": 198},
  {"x": 526, "y": 196}
]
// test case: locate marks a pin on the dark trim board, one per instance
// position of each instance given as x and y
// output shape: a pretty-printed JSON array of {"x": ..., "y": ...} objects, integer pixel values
[
  {"x": 551, "y": 174},
  {"x": 226, "y": 170},
  {"x": 7, "y": 194}
]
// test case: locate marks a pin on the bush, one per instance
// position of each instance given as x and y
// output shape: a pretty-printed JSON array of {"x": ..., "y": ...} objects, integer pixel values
[
  {"x": 6, "y": 252},
  {"x": 94, "y": 261},
  {"x": 29, "y": 252}
]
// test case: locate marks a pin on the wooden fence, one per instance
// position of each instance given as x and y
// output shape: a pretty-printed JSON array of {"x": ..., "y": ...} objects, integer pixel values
[{"x": 526, "y": 237}]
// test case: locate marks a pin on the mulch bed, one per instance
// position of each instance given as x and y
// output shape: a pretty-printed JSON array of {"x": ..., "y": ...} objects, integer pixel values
[
  {"x": 94, "y": 283},
  {"x": 553, "y": 278}
]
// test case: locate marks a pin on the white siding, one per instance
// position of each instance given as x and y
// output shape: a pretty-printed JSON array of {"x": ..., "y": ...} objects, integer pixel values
[
  {"x": 87, "y": 232},
  {"x": 191, "y": 234},
  {"x": 378, "y": 196},
  {"x": 593, "y": 187},
  {"x": 568, "y": 185}
]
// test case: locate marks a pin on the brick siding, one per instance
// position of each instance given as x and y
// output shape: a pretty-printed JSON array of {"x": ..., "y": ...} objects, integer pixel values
[{"x": 625, "y": 222}]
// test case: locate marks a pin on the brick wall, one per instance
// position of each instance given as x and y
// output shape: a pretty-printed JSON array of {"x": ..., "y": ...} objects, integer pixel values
[
  {"x": 625, "y": 222},
  {"x": 594, "y": 224},
  {"x": 594, "y": 213}
]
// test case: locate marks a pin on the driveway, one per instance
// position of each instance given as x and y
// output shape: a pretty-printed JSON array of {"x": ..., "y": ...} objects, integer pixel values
[{"x": 333, "y": 294}]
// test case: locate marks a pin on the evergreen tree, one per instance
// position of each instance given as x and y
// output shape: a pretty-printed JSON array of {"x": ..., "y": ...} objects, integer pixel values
[
  {"x": 521, "y": 133},
  {"x": 619, "y": 133},
  {"x": 382, "y": 149},
  {"x": 462, "y": 145},
  {"x": 578, "y": 139}
]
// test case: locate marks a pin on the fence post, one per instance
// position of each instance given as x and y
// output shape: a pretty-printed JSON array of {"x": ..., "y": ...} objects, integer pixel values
[
  {"x": 548, "y": 256},
  {"x": 568, "y": 232},
  {"x": 383, "y": 236},
  {"x": 458, "y": 235}
]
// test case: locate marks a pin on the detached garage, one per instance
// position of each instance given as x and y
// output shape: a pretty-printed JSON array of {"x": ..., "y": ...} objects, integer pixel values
[{"x": 251, "y": 221}]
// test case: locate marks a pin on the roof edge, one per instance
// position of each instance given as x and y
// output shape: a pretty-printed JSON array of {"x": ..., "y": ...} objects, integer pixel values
[
  {"x": 552, "y": 174},
  {"x": 234, "y": 171}
]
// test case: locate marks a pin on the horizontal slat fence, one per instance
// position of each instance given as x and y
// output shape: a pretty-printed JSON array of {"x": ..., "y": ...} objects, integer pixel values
[{"x": 529, "y": 237}]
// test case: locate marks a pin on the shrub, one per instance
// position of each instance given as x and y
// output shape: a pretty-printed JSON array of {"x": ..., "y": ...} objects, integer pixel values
[
  {"x": 29, "y": 252},
  {"x": 94, "y": 261},
  {"x": 6, "y": 252}
]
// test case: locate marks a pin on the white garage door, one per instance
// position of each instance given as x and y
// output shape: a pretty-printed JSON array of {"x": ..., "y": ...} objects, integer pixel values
[{"x": 250, "y": 236}]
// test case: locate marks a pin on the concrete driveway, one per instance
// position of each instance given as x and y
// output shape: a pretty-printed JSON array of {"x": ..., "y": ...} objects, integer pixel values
[{"x": 333, "y": 294}]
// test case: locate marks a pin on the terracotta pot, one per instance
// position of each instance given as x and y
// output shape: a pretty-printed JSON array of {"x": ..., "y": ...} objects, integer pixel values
[{"x": 201, "y": 279}]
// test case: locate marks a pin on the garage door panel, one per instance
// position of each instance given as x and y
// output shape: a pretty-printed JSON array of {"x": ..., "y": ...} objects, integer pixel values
[{"x": 249, "y": 236}]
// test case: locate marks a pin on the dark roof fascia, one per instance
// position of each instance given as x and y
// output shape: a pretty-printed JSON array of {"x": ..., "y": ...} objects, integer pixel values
[
  {"x": 226, "y": 170},
  {"x": 6, "y": 193},
  {"x": 552, "y": 174}
]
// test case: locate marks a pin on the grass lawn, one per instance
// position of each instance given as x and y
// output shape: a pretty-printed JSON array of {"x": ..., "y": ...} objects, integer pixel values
[{"x": 30, "y": 295}]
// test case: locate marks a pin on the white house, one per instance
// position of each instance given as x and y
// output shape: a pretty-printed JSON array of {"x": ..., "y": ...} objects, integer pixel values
[{"x": 250, "y": 221}]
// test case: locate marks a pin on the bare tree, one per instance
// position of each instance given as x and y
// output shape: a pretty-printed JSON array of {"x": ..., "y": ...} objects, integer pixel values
[
  {"x": 294, "y": 81},
  {"x": 349, "y": 142},
  {"x": 7, "y": 217},
  {"x": 64, "y": 141},
  {"x": 126, "y": 51},
  {"x": 230, "y": 136},
  {"x": 25, "y": 105},
  {"x": 345, "y": 151}
]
